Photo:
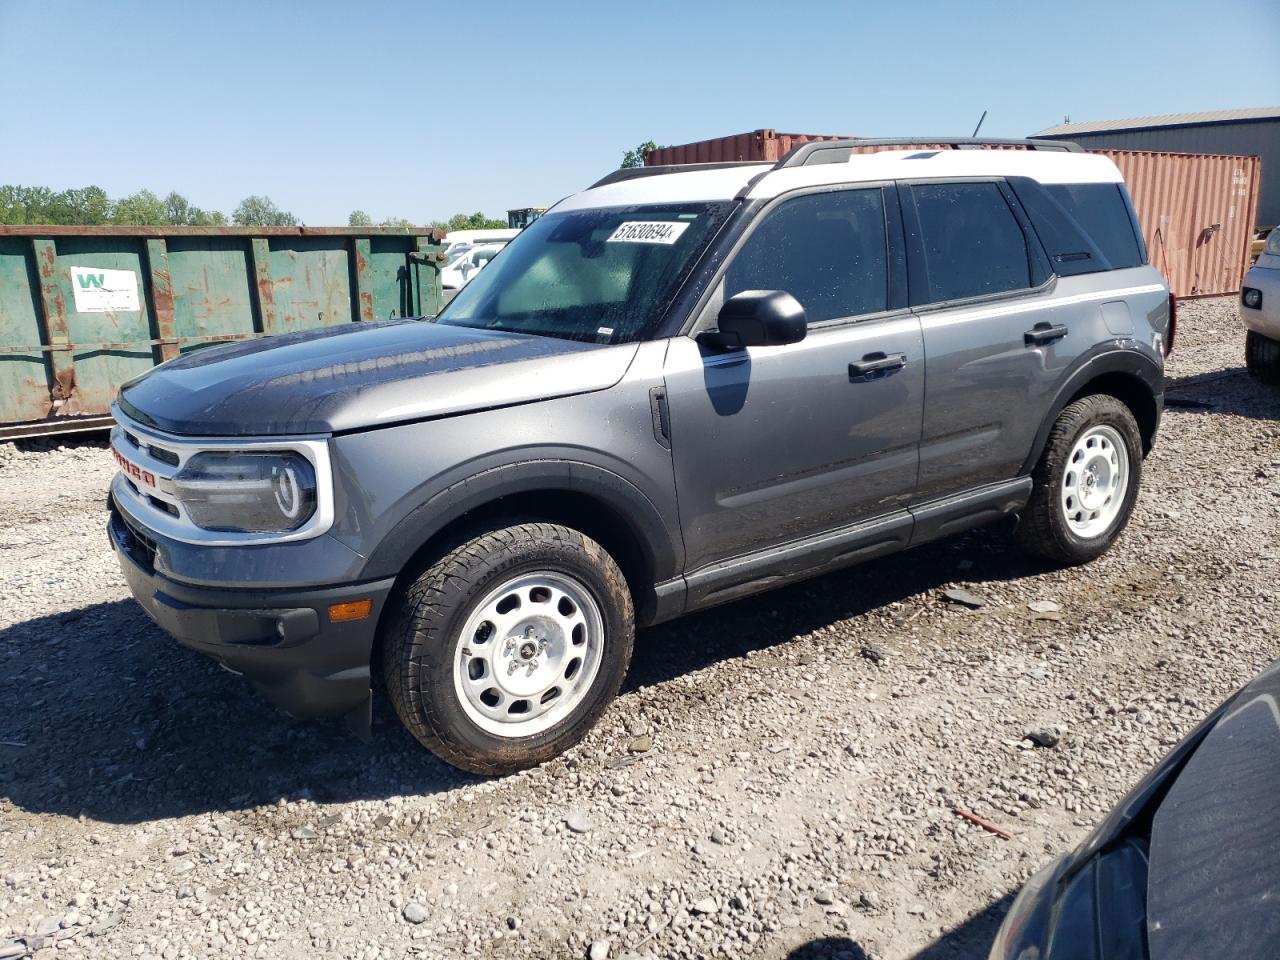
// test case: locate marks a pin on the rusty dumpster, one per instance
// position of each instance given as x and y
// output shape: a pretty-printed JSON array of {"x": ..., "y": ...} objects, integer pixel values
[{"x": 84, "y": 309}]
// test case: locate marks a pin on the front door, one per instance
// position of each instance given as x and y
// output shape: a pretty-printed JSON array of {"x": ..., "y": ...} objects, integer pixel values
[{"x": 775, "y": 444}]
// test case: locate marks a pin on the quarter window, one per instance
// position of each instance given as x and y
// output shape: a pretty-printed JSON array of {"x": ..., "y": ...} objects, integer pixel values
[
  {"x": 1100, "y": 209},
  {"x": 972, "y": 242},
  {"x": 826, "y": 249}
]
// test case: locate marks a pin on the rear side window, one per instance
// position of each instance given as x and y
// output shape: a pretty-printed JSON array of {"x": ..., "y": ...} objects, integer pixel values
[
  {"x": 972, "y": 242},
  {"x": 1100, "y": 209},
  {"x": 826, "y": 249}
]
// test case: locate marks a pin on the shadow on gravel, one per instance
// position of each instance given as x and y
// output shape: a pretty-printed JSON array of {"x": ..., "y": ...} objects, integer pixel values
[
  {"x": 970, "y": 941},
  {"x": 107, "y": 717},
  {"x": 681, "y": 646},
  {"x": 1232, "y": 391}
]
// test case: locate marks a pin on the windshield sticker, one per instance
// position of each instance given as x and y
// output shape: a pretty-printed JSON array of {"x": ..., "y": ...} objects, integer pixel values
[{"x": 648, "y": 231}]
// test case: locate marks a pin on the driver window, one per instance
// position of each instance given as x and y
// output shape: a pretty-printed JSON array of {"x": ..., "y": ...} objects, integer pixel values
[{"x": 825, "y": 249}]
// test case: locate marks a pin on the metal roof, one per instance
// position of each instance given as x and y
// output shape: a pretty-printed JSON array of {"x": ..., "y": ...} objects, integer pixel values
[{"x": 1165, "y": 120}]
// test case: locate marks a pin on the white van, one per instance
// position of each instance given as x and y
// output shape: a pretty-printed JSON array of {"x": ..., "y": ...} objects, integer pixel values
[{"x": 457, "y": 238}]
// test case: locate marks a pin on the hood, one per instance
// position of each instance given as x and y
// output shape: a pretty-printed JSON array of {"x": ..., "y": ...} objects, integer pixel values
[
  {"x": 363, "y": 375},
  {"x": 1214, "y": 877}
]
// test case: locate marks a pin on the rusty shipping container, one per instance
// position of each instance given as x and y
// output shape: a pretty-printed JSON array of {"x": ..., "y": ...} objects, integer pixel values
[
  {"x": 1197, "y": 213},
  {"x": 83, "y": 309},
  {"x": 1196, "y": 210}
]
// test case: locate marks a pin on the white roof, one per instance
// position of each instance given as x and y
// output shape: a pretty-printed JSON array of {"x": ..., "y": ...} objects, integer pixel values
[
  {"x": 725, "y": 183},
  {"x": 1163, "y": 120}
]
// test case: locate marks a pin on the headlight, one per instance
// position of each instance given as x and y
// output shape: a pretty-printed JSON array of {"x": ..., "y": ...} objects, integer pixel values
[
  {"x": 247, "y": 492},
  {"x": 1272, "y": 246}
]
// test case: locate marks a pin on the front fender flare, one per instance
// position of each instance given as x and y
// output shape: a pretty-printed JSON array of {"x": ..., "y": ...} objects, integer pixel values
[{"x": 663, "y": 551}]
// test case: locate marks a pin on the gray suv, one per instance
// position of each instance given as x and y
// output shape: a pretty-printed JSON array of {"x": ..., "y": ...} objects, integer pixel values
[{"x": 678, "y": 387}]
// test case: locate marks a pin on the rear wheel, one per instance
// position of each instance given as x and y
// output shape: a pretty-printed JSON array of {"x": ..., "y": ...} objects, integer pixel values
[
  {"x": 1262, "y": 357},
  {"x": 505, "y": 651},
  {"x": 1085, "y": 484}
]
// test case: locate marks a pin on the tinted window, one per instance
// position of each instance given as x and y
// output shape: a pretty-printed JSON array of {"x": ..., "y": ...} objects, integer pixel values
[
  {"x": 972, "y": 242},
  {"x": 604, "y": 275},
  {"x": 827, "y": 250},
  {"x": 1100, "y": 209}
]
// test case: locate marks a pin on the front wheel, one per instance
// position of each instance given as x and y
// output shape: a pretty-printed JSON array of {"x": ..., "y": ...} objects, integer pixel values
[
  {"x": 505, "y": 651},
  {"x": 1085, "y": 484},
  {"x": 1262, "y": 358}
]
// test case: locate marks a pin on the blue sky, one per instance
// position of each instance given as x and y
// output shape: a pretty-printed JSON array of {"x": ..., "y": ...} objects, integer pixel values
[{"x": 421, "y": 110}]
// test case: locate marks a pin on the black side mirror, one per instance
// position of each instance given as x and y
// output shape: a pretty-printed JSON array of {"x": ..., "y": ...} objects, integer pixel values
[{"x": 759, "y": 318}]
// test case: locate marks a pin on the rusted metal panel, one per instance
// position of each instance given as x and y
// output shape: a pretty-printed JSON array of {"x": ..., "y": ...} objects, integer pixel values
[
  {"x": 361, "y": 252},
  {"x": 51, "y": 230},
  {"x": 263, "y": 288},
  {"x": 1196, "y": 210},
  {"x": 743, "y": 147},
  {"x": 53, "y": 313},
  {"x": 1197, "y": 213},
  {"x": 162, "y": 297},
  {"x": 26, "y": 370},
  {"x": 62, "y": 358}
]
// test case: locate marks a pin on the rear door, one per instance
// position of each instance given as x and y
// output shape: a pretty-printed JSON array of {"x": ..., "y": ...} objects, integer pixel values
[
  {"x": 996, "y": 341},
  {"x": 775, "y": 444}
]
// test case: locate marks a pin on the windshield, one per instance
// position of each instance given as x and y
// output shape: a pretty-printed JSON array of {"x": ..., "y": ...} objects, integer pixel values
[{"x": 603, "y": 276}]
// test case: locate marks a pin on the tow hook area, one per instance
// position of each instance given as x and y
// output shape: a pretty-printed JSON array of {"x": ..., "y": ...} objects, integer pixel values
[{"x": 360, "y": 720}]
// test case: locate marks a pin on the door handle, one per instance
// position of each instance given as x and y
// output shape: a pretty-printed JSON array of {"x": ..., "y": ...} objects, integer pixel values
[
  {"x": 1043, "y": 333},
  {"x": 878, "y": 362}
]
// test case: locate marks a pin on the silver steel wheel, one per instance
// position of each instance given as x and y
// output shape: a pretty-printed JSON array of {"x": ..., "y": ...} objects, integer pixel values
[
  {"x": 528, "y": 654},
  {"x": 1095, "y": 481}
]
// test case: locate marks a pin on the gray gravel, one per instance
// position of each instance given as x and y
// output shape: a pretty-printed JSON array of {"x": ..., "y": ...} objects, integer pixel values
[{"x": 778, "y": 780}]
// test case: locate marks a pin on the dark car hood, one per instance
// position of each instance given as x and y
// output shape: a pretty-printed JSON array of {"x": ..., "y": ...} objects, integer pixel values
[
  {"x": 1214, "y": 878},
  {"x": 363, "y": 375}
]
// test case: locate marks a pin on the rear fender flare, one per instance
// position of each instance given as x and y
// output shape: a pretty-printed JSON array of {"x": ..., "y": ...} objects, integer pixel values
[{"x": 1128, "y": 363}]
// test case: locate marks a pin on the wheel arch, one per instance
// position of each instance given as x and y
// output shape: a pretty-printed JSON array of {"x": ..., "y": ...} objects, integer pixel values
[
  {"x": 596, "y": 501},
  {"x": 1132, "y": 378}
]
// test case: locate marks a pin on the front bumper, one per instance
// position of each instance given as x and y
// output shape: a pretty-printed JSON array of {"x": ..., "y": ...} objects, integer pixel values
[
  {"x": 1266, "y": 320},
  {"x": 282, "y": 641},
  {"x": 1026, "y": 927}
]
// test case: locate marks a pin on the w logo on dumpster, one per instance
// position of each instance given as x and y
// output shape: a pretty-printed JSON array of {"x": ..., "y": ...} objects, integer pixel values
[{"x": 99, "y": 290}]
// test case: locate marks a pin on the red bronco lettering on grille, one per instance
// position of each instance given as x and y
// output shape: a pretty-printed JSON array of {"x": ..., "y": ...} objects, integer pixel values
[{"x": 133, "y": 470}]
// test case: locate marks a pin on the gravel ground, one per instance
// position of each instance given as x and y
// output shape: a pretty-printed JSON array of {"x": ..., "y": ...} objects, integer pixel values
[{"x": 776, "y": 781}]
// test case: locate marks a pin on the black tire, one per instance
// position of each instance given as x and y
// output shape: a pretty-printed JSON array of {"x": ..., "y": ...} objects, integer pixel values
[
  {"x": 1262, "y": 357},
  {"x": 421, "y": 641},
  {"x": 1043, "y": 528}
]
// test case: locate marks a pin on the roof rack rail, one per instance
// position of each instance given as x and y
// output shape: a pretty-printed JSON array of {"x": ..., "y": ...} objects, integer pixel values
[
  {"x": 838, "y": 151},
  {"x": 631, "y": 173}
]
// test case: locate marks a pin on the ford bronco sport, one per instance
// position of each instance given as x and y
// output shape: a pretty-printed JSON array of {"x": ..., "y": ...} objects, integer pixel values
[{"x": 678, "y": 387}]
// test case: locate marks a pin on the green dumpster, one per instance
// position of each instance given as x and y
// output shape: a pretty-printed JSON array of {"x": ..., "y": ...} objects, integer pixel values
[{"x": 83, "y": 309}]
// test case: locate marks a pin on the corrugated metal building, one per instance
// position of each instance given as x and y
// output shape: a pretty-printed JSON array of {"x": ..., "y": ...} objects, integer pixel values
[{"x": 1250, "y": 132}]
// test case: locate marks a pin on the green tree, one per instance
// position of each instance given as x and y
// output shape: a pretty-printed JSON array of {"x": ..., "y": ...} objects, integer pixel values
[
  {"x": 256, "y": 211},
  {"x": 397, "y": 222},
  {"x": 359, "y": 218},
  {"x": 181, "y": 213},
  {"x": 472, "y": 221},
  {"x": 635, "y": 158},
  {"x": 22, "y": 205},
  {"x": 143, "y": 209},
  {"x": 88, "y": 206}
]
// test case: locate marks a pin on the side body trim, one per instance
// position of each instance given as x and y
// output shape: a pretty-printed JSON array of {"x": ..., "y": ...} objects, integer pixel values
[{"x": 728, "y": 580}]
